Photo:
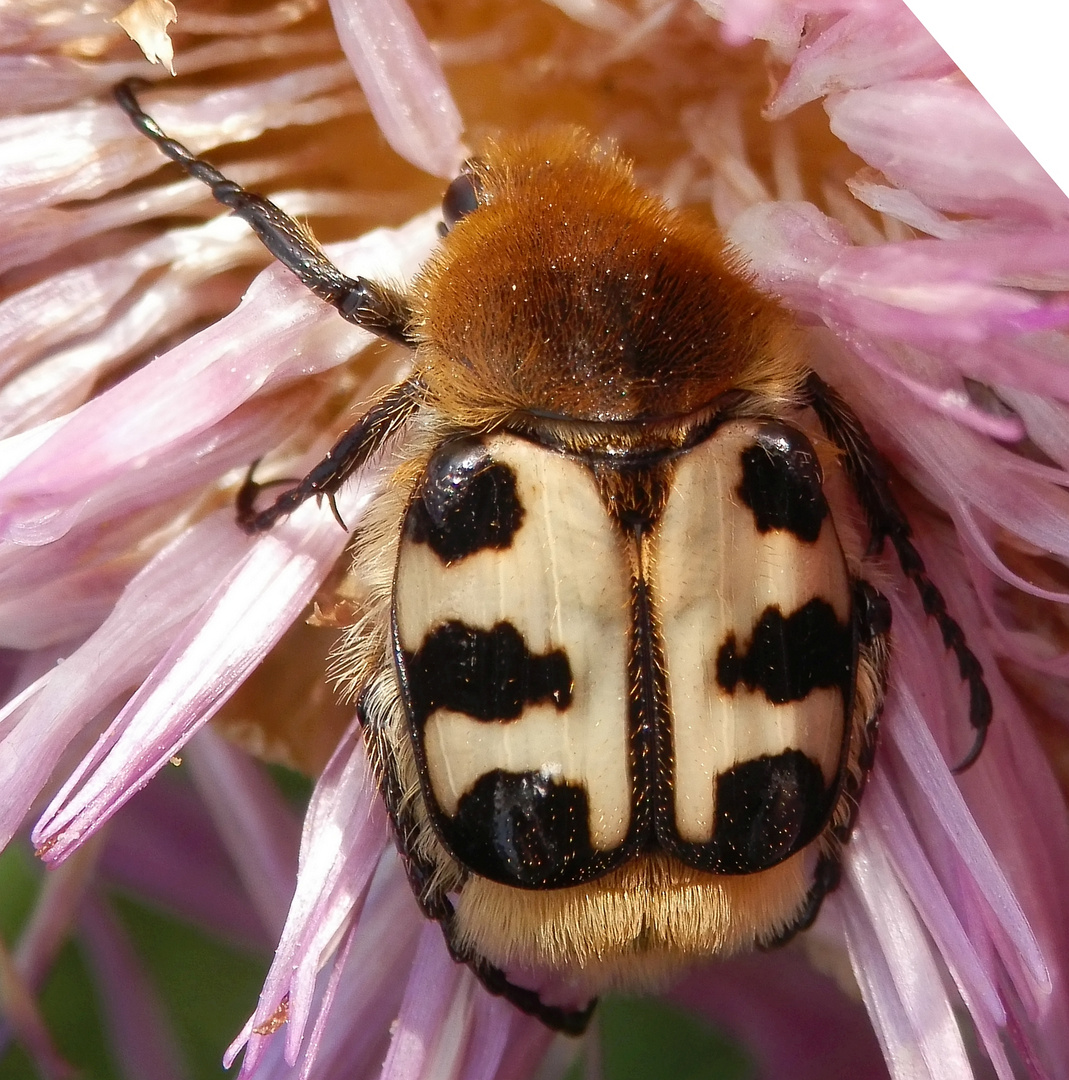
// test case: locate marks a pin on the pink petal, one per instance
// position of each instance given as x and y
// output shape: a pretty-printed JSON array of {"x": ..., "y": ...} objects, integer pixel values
[
  {"x": 1006, "y": 883},
  {"x": 111, "y": 452},
  {"x": 493, "y": 1024},
  {"x": 163, "y": 847},
  {"x": 941, "y": 140},
  {"x": 256, "y": 824},
  {"x": 403, "y": 82},
  {"x": 358, "y": 993},
  {"x": 897, "y": 970},
  {"x": 36, "y": 728},
  {"x": 91, "y": 148},
  {"x": 135, "y": 1017},
  {"x": 345, "y": 833},
  {"x": 85, "y": 598},
  {"x": 906, "y": 207},
  {"x": 1047, "y": 422},
  {"x": 203, "y": 666},
  {"x": 435, "y": 1010},
  {"x": 950, "y": 400},
  {"x": 859, "y": 50},
  {"x": 127, "y": 318},
  {"x": 921, "y": 291},
  {"x": 532, "y": 1043},
  {"x": 966, "y": 966},
  {"x": 36, "y": 234},
  {"x": 352, "y": 1029},
  {"x": 1030, "y": 362}
]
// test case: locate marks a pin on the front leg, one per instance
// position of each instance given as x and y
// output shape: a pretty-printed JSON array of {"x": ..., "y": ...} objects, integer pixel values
[{"x": 383, "y": 419}]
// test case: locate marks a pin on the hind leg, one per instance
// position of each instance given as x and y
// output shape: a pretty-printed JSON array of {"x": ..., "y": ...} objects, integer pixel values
[
  {"x": 425, "y": 879},
  {"x": 868, "y": 475}
]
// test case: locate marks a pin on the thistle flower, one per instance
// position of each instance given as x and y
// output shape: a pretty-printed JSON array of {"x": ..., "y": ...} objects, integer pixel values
[{"x": 875, "y": 192}]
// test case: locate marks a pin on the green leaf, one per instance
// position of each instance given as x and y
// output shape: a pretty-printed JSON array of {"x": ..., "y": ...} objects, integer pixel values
[
  {"x": 651, "y": 1040},
  {"x": 208, "y": 988}
]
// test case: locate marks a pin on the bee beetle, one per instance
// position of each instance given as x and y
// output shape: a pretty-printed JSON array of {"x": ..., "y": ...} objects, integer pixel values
[{"x": 620, "y": 675}]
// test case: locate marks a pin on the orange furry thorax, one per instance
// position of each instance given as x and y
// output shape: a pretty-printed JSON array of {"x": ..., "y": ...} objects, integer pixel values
[{"x": 572, "y": 292}]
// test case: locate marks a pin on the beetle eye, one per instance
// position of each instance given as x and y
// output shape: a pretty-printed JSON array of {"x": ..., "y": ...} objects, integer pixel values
[{"x": 461, "y": 197}]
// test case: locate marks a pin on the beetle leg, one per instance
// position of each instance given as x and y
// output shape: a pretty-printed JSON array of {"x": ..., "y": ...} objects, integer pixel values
[
  {"x": 385, "y": 417},
  {"x": 435, "y": 905},
  {"x": 569, "y": 1021},
  {"x": 868, "y": 475}
]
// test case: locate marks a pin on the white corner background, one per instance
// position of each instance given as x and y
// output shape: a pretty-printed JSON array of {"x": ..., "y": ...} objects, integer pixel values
[{"x": 1016, "y": 53}]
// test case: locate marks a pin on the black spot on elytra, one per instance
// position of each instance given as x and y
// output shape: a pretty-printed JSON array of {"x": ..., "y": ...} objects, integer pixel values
[
  {"x": 789, "y": 657},
  {"x": 485, "y": 674},
  {"x": 767, "y": 809},
  {"x": 522, "y": 829},
  {"x": 466, "y": 503},
  {"x": 782, "y": 483}
]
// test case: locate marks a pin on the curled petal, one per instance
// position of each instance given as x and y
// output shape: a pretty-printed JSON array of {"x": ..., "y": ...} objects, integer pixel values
[{"x": 859, "y": 50}]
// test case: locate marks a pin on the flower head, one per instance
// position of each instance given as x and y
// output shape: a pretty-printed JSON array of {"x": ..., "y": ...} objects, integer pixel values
[{"x": 874, "y": 192}]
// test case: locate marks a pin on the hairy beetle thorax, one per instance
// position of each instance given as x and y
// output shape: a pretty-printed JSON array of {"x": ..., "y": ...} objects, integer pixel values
[{"x": 592, "y": 299}]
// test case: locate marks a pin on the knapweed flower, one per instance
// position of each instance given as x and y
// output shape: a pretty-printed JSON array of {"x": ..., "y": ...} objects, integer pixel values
[{"x": 921, "y": 248}]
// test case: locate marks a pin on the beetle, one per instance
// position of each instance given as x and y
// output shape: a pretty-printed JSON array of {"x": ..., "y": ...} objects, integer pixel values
[{"x": 621, "y": 671}]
